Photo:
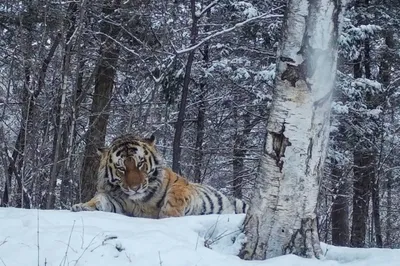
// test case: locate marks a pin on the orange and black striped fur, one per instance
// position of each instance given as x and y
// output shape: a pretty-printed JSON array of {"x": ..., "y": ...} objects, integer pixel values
[{"x": 133, "y": 180}]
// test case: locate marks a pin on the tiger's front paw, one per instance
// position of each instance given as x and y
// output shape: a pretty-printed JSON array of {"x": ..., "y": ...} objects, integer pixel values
[
  {"x": 169, "y": 212},
  {"x": 82, "y": 207}
]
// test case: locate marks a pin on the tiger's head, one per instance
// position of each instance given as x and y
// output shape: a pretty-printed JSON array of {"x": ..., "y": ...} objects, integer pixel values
[{"x": 132, "y": 163}]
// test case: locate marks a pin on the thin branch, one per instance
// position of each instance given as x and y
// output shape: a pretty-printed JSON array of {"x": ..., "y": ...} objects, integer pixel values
[
  {"x": 236, "y": 26},
  {"x": 201, "y": 13},
  {"x": 4, "y": 241},
  {"x": 119, "y": 43}
]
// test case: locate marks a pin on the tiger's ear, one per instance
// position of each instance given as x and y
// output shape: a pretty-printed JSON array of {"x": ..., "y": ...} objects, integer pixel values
[
  {"x": 101, "y": 151},
  {"x": 151, "y": 140}
]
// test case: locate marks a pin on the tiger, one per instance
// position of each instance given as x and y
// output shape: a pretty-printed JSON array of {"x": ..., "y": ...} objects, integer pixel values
[{"x": 133, "y": 180}]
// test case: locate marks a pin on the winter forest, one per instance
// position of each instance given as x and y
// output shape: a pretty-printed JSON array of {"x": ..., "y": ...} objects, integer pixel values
[{"x": 200, "y": 75}]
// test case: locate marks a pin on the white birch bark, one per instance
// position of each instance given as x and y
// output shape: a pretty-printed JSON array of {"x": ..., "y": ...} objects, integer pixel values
[{"x": 282, "y": 218}]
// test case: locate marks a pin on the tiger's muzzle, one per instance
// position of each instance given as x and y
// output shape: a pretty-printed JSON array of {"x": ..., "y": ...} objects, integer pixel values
[{"x": 134, "y": 181}]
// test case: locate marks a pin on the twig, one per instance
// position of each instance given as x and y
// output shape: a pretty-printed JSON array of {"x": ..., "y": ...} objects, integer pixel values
[
  {"x": 4, "y": 241},
  {"x": 74, "y": 250},
  {"x": 207, "y": 240},
  {"x": 159, "y": 258},
  {"x": 197, "y": 241},
  {"x": 237, "y": 25},
  {"x": 83, "y": 233},
  {"x": 201, "y": 13},
  {"x": 128, "y": 257},
  {"x": 69, "y": 241},
  {"x": 91, "y": 241},
  {"x": 109, "y": 238},
  {"x": 104, "y": 242}
]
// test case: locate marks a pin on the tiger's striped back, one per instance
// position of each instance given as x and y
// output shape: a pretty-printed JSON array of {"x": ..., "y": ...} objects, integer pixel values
[{"x": 208, "y": 200}]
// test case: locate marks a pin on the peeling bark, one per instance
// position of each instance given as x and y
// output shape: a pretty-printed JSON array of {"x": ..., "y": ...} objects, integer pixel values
[{"x": 279, "y": 144}]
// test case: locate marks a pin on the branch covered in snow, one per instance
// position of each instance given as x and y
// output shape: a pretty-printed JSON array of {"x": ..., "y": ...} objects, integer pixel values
[
  {"x": 236, "y": 26},
  {"x": 201, "y": 13}
]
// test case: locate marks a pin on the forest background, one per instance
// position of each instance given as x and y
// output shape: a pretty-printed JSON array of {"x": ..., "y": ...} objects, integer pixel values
[{"x": 200, "y": 76}]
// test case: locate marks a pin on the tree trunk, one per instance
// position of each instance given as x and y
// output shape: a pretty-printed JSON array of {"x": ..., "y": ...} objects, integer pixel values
[
  {"x": 104, "y": 83},
  {"x": 239, "y": 150},
  {"x": 238, "y": 166},
  {"x": 363, "y": 172},
  {"x": 198, "y": 157},
  {"x": 60, "y": 146},
  {"x": 364, "y": 159},
  {"x": 176, "y": 147},
  {"x": 385, "y": 79},
  {"x": 389, "y": 224},
  {"x": 376, "y": 212},
  {"x": 282, "y": 218},
  {"x": 340, "y": 209},
  {"x": 17, "y": 159},
  {"x": 340, "y": 205}
]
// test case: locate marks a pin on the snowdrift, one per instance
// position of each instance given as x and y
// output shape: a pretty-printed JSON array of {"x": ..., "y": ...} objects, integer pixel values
[{"x": 32, "y": 237}]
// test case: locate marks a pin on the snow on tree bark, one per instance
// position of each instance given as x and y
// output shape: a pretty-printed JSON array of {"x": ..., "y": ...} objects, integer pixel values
[{"x": 282, "y": 218}]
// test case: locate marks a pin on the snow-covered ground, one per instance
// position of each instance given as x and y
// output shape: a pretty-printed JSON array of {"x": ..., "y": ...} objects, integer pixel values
[{"x": 98, "y": 238}]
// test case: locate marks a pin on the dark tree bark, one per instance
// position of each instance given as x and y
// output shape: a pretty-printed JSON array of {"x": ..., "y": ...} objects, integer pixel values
[
  {"x": 60, "y": 146},
  {"x": 239, "y": 148},
  {"x": 201, "y": 114},
  {"x": 179, "y": 125},
  {"x": 385, "y": 79},
  {"x": 104, "y": 83},
  {"x": 238, "y": 165},
  {"x": 29, "y": 98},
  {"x": 389, "y": 224},
  {"x": 363, "y": 172},
  {"x": 364, "y": 154},
  {"x": 198, "y": 157},
  {"x": 376, "y": 211},
  {"x": 341, "y": 196},
  {"x": 66, "y": 193},
  {"x": 340, "y": 207}
]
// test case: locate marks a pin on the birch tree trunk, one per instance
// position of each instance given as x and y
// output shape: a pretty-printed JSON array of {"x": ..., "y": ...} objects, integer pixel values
[{"x": 282, "y": 218}]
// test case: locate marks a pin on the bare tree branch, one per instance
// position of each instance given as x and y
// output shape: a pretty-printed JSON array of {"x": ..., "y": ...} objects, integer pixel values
[
  {"x": 236, "y": 26},
  {"x": 201, "y": 13}
]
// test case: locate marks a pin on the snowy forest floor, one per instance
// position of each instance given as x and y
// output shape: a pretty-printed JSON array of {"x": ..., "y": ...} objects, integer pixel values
[{"x": 98, "y": 238}]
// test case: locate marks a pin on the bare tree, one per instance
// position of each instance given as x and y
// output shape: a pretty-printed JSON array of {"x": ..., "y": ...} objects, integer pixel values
[
  {"x": 341, "y": 192},
  {"x": 104, "y": 83},
  {"x": 176, "y": 155},
  {"x": 282, "y": 217},
  {"x": 60, "y": 146}
]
